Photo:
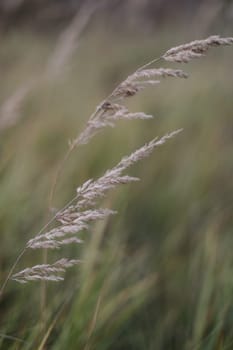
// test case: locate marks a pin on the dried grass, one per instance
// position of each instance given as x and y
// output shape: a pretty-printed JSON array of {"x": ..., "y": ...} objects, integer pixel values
[
  {"x": 195, "y": 49},
  {"x": 81, "y": 211}
]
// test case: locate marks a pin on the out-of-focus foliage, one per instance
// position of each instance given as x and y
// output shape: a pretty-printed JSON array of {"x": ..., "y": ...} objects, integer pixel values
[{"x": 159, "y": 275}]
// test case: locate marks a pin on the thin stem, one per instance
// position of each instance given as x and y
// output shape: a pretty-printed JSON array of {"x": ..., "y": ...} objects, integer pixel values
[
  {"x": 50, "y": 327},
  {"x": 11, "y": 337},
  {"x": 149, "y": 64},
  {"x": 93, "y": 322},
  {"x": 11, "y": 271},
  {"x": 57, "y": 174}
]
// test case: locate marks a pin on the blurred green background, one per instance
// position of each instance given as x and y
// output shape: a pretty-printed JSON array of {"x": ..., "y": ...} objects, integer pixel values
[{"x": 159, "y": 275}]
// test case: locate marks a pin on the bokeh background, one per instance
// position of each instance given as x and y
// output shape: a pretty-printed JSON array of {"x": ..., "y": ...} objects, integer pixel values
[{"x": 159, "y": 275}]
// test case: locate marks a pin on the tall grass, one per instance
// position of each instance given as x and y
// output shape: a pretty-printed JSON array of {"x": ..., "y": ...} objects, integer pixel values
[{"x": 122, "y": 279}]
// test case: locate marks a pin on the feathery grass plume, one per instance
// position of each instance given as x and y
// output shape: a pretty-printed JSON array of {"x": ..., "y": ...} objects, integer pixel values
[
  {"x": 109, "y": 111},
  {"x": 91, "y": 191},
  {"x": 133, "y": 83},
  {"x": 195, "y": 49},
  {"x": 160, "y": 72},
  {"x": 78, "y": 214},
  {"x": 69, "y": 225},
  {"x": 45, "y": 272},
  {"x": 77, "y": 217}
]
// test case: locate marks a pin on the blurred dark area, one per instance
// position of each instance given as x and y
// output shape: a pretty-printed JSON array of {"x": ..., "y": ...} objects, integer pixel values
[{"x": 52, "y": 14}]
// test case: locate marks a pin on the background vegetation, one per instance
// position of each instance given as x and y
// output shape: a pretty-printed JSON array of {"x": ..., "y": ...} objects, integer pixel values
[{"x": 159, "y": 275}]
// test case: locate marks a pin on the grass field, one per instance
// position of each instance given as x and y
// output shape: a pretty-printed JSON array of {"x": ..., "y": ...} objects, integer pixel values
[{"x": 159, "y": 275}]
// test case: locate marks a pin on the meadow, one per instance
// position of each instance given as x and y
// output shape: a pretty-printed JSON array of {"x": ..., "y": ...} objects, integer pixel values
[{"x": 159, "y": 274}]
